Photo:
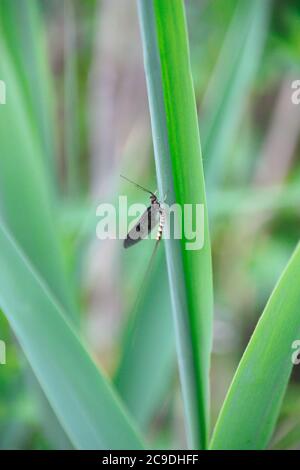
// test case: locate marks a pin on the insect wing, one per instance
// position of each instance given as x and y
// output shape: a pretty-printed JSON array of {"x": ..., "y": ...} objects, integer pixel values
[{"x": 144, "y": 226}]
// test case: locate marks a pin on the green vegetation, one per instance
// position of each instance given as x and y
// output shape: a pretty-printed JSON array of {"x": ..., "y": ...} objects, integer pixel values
[{"x": 87, "y": 366}]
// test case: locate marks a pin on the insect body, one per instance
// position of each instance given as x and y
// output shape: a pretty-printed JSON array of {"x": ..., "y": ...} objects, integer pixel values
[
  {"x": 153, "y": 216},
  {"x": 161, "y": 224}
]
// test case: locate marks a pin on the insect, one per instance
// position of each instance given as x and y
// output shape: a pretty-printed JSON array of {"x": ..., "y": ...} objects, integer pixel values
[{"x": 153, "y": 216}]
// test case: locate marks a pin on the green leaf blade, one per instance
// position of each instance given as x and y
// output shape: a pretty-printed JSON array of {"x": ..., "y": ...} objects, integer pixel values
[
  {"x": 83, "y": 400},
  {"x": 26, "y": 199},
  {"x": 251, "y": 407},
  {"x": 180, "y": 176}
]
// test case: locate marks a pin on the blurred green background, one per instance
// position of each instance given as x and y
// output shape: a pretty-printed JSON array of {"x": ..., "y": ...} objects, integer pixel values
[{"x": 74, "y": 74}]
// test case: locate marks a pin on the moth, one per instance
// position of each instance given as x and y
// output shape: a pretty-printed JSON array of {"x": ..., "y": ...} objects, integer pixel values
[{"x": 153, "y": 217}]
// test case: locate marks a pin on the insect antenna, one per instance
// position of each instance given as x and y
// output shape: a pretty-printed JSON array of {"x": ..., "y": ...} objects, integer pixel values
[
  {"x": 138, "y": 185},
  {"x": 159, "y": 210}
]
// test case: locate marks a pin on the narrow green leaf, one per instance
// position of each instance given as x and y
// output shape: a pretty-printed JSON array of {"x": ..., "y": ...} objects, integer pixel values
[
  {"x": 251, "y": 407},
  {"x": 27, "y": 147},
  {"x": 83, "y": 400},
  {"x": 221, "y": 118},
  {"x": 228, "y": 90},
  {"x": 20, "y": 24},
  {"x": 180, "y": 176},
  {"x": 25, "y": 195}
]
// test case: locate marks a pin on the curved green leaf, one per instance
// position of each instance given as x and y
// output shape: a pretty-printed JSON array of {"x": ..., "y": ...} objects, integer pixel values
[
  {"x": 221, "y": 118},
  {"x": 180, "y": 176},
  {"x": 21, "y": 23},
  {"x": 83, "y": 400},
  {"x": 26, "y": 204},
  {"x": 251, "y": 407},
  {"x": 228, "y": 90}
]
